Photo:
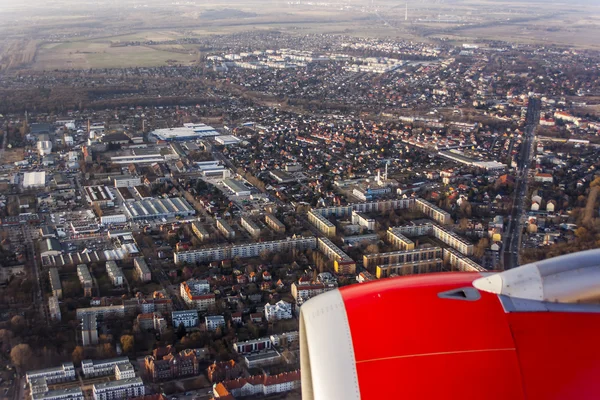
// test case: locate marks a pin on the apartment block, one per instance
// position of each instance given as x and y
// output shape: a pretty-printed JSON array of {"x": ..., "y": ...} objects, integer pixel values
[
  {"x": 453, "y": 240},
  {"x": 89, "y": 330},
  {"x": 85, "y": 278},
  {"x": 251, "y": 226},
  {"x": 252, "y": 346},
  {"x": 409, "y": 268},
  {"x": 225, "y": 229},
  {"x": 213, "y": 322},
  {"x": 321, "y": 223},
  {"x": 305, "y": 289},
  {"x": 60, "y": 394},
  {"x": 93, "y": 368},
  {"x": 244, "y": 250},
  {"x": 55, "y": 283},
  {"x": 142, "y": 269},
  {"x": 363, "y": 220},
  {"x": 120, "y": 389},
  {"x": 371, "y": 261},
  {"x": 165, "y": 364},
  {"x": 342, "y": 263},
  {"x": 459, "y": 262},
  {"x": 278, "y": 311},
  {"x": 435, "y": 213},
  {"x": 187, "y": 318},
  {"x": 124, "y": 371},
  {"x": 114, "y": 273},
  {"x": 398, "y": 240},
  {"x": 102, "y": 311},
  {"x": 200, "y": 232},
  {"x": 54, "y": 308},
  {"x": 275, "y": 224},
  {"x": 63, "y": 373},
  {"x": 195, "y": 298}
]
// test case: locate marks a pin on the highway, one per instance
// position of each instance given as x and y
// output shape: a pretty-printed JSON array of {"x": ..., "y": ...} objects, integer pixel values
[{"x": 513, "y": 233}]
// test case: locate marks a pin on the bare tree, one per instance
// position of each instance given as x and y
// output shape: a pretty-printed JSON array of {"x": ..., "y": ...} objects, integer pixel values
[{"x": 21, "y": 356}]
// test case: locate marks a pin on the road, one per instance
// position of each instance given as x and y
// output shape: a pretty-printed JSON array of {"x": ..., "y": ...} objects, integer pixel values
[{"x": 512, "y": 236}]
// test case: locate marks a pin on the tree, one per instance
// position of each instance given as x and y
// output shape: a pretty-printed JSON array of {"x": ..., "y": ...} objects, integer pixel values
[
  {"x": 105, "y": 350},
  {"x": 127, "y": 343},
  {"x": 17, "y": 323},
  {"x": 6, "y": 339},
  {"x": 78, "y": 355},
  {"x": 181, "y": 331},
  {"x": 481, "y": 247},
  {"x": 21, "y": 356}
]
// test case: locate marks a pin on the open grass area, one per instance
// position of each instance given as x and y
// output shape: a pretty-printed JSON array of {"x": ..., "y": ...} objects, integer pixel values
[{"x": 88, "y": 54}]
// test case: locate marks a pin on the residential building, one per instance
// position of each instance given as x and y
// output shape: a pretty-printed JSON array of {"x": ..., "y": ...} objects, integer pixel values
[
  {"x": 102, "y": 311},
  {"x": 224, "y": 370},
  {"x": 275, "y": 224},
  {"x": 54, "y": 308},
  {"x": 142, "y": 270},
  {"x": 63, "y": 373},
  {"x": 285, "y": 338},
  {"x": 93, "y": 368},
  {"x": 543, "y": 177},
  {"x": 225, "y": 229},
  {"x": 252, "y": 346},
  {"x": 409, "y": 268},
  {"x": 61, "y": 394},
  {"x": 435, "y": 213},
  {"x": 89, "y": 330},
  {"x": 213, "y": 322},
  {"x": 459, "y": 262},
  {"x": 398, "y": 240},
  {"x": 252, "y": 228},
  {"x": 114, "y": 273},
  {"x": 124, "y": 371},
  {"x": 342, "y": 263},
  {"x": 363, "y": 220},
  {"x": 195, "y": 296},
  {"x": 85, "y": 278},
  {"x": 55, "y": 283},
  {"x": 371, "y": 261},
  {"x": 120, "y": 389},
  {"x": 277, "y": 311},
  {"x": 244, "y": 250},
  {"x": 258, "y": 384},
  {"x": 150, "y": 321},
  {"x": 165, "y": 364},
  {"x": 187, "y": 318},
  {"x": 200, "y": 232},
  {"x": 262, "y": 359},
  {"x": 321, "y": 223},
  {"x": 305, "y": 289}
]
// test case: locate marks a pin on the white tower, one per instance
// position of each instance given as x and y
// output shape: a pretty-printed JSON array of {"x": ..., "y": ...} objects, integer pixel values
[{"x": 406, "y": 13}]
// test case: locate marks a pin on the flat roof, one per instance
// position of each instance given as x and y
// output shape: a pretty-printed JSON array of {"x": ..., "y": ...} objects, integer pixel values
[{"x": 37, "y": 178}]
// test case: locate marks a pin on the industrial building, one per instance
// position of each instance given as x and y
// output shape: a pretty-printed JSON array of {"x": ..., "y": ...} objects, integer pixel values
[
  {"x": 237, "y": 187},
  {"x": 187, "y": 132},
  {"x": 34, "y": 179},
  {"x": 158, "y": 208},
  {"x": 227, "y": 140},
  {"x": 99, "y": 196},
  {"x": 123, "y": 181}
]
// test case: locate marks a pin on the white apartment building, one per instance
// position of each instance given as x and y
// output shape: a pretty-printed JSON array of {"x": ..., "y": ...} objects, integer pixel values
[
  {"x": 63, "y": 373},
  {"x": 101, "y": 312},
  {"x": 249, "y": 225},
  {"x": 124, "y": 371},
  {"x": 54, "y": 308},
  {"x": 277, "y": 311},
  {"x": 93, "y": 368},
  {"x": 61, "y": 394},
  {"x": 120, "y": 389},
  {"x": 213, "y": 322},
  {"x": 189, "y": 318},
  {"x": 114, "y": 273}
]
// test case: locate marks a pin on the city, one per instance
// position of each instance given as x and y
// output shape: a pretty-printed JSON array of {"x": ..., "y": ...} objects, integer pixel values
[{"x": 163, "y": 226}]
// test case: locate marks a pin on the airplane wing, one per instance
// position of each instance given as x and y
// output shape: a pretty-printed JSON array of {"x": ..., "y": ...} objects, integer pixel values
[{"x": 519, "y": 334}]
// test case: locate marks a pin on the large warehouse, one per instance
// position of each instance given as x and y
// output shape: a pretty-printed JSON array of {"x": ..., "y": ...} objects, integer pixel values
[
  {"x": 158, "y": 208},
  {"x": 34, "y": 179},
  {"x": 187, "y": 132}
]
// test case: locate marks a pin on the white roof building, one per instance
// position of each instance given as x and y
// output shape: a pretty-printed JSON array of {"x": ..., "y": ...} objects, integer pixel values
[{"x": 34, "y": 179}]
